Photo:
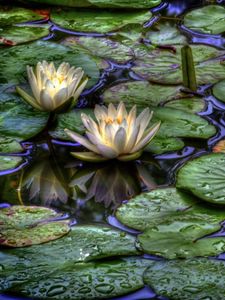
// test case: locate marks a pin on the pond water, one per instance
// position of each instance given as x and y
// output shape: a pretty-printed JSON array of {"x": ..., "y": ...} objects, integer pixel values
[{"x": 139, "y": 64}]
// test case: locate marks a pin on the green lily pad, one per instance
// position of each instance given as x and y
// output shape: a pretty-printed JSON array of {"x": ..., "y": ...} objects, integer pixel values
[
  {"x": 164, "y": 65},
  {"x": 208, "y": 19},
  {"x": 101, "y": 21},
  {"x": 219, "y": 90},
  {"x": 14, "y": 15},
  {"x": 71, "y": 120},
  {"x": 9, "y": 162},
  {"x": 101, "y": 47},
  {"x": 189, "y": 279},
  {"x": 182, "y": 237},
  {"x": 164, "y": 144},
  {"x": 191, "y": 105},
  {"x": 14, "y": 60},
  {"x": 23, "y": 226},
  {"x": 152, "y": 208},
  {"x": 103, "y": 3},
  {"x": 16, "y": 119},
  {"x": 204, "y": 177},
  {"x": 141, "y": 93},
  {"x": 83, "y": 243},
  {"x": 97, "y": 280},
  {"x": 9, "y": 145},
  {"x": 12, "y": 33},
  {"x": 179, "y": 123},
  {"x": 166, "y": 34}
]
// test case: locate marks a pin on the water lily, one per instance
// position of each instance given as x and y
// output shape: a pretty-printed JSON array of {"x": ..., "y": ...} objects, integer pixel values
[
  {"x": 116, "y": 134},
  {"x": 53, "y": 88}
]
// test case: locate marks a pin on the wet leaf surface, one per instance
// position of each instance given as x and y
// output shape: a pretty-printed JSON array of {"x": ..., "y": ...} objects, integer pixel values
[
  {"x": 187, "y": 279},
  {"x": 209, "y": 19},
  {"x": 152, "y": 208},
  {"x": 97, "y": 280},
  {"x": 23, "y": 226},
  {"x": 204, "y": 177},
  {"x": 97, "y": 21}
]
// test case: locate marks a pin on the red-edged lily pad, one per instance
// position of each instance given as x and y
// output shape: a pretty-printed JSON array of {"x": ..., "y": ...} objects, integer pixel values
[{"x": 29, "y": 225}]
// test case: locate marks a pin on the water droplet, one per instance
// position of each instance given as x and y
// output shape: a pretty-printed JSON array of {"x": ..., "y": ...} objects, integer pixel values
[
  {"x": 56, "y": 290},
  {"x": 104, "y": 288}
]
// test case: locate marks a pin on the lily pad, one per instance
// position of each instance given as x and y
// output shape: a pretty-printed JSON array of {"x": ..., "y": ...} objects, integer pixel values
[
  {"x": 204, "y": 177},
  {"x": 97, "y": 280},
  {"x": 16, "y": 119},
  {"x": 9, "y": 162},
  {"x": 209, "y": 19},
  {"x": 14, "y": 60},
  {"x": 166, "y": 34},
  {"x": 182, "y": 237},
  {"x": 179, "y": 123},
  {"x": 83, "y": 243},
  {"x": 141, "y": 93},
  {"x": 14, "y": 35},
  {"x": 189, "y": 279},
  {"x": 103, "y": 3},
  {"x": 14, "y": 15},
  {"x": 219, "y": 90},
  {"x": 165, "y": 144},
  {"x": 71, "y": 120},
  {"x": 101, "y": 47},
  {"x": 164, "y": 65},
  {"x": 160, "y": 205},
  {"x": 101, "y": 21},
  {"x": 23, "y": 226}
]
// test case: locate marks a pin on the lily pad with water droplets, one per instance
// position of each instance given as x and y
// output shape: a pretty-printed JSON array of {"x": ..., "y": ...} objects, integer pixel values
[
  {"x": 209, "y": 19},
  {"x": 204, "y": 177},
  {"x": 23, "y": 226},
  {"x": 101, "y": 21},
  {"x": 83, "y": 243},
  {"x": 96, "y": 280},
  {"x": 152, "y": 208},
  {"x": 164, "y": 65},
  {"x": 189, "y": 279},
  {"x": 14, "y": 60},
  {"x": 182, "y": 237},
  {"x": 9, "y": 162}
]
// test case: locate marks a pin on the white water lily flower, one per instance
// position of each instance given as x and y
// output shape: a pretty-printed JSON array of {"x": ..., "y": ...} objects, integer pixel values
[
  {"x": 116, "y": 134},
  {"x": 52, "y": 88}
]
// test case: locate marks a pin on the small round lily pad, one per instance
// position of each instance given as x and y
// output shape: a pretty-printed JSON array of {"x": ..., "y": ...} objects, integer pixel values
[{"x": 27, "y": 225}]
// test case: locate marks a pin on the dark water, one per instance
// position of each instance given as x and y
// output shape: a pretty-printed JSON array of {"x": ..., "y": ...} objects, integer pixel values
[{"x": 100, "y": 204}]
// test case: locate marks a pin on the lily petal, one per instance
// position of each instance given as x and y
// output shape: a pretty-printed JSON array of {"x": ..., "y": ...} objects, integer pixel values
[
  {"x": 150, "y": 133},
  {"x": 82, "y": 140}
]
